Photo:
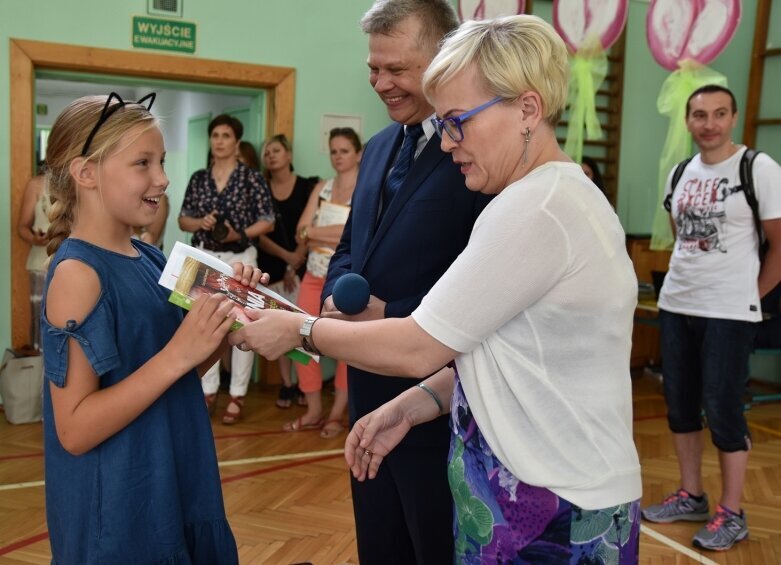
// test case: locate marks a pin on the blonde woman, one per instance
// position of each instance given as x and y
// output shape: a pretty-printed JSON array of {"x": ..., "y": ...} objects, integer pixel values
[{"x": 536, "y": 312}]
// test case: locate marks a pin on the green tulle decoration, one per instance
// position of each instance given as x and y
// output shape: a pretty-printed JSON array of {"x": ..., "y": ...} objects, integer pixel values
[
  {"x": 678, "y": 146},
  {"x": 588, "y": 68}
]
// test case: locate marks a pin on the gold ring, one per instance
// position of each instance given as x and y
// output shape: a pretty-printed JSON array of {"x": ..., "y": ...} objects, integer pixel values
[{"x": 367, "y": 452}]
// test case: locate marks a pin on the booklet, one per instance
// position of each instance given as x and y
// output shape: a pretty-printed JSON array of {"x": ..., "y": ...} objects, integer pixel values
[{"x": 191, "y": 272}]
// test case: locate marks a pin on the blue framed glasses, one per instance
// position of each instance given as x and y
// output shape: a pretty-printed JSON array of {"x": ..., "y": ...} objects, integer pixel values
[
  {"x": 108, "y": 111},
  {"x": 453, "y": 125}
]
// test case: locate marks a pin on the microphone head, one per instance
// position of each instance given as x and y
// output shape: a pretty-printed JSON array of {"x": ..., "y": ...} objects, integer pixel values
[{"x": 351, "y": 293}]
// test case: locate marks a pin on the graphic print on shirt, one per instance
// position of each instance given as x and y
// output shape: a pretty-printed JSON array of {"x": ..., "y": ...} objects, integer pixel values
[{"x": 700, "y": 214}]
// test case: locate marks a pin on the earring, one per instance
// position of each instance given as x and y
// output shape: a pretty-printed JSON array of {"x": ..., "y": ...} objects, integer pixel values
[{"x": 527, "y": 137}]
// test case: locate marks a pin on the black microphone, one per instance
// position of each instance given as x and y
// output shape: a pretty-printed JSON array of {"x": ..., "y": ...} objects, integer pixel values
[{"x": 351, "y": 293}]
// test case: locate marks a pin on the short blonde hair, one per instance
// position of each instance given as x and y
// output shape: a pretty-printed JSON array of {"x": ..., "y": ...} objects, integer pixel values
[
  {"x": 66, "y": 141},
  {"x": 513, "y": 54}
]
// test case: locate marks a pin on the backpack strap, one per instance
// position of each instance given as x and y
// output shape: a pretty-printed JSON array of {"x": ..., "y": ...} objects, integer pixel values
[
  {"x": 679, "y": 168},
  {"x": 747, "y": 186}
]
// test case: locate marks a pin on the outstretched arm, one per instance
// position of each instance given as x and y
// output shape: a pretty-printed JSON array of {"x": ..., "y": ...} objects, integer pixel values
[
  {"x": 397, "y": 346},
  {"x": 378, "y": 432}
]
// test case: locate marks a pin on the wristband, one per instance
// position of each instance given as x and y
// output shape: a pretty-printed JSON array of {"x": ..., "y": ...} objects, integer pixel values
[{"x": 434, "y": 396}]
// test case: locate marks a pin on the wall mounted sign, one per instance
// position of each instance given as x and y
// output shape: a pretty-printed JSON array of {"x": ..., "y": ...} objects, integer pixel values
[{"x": 166, "y": 35}]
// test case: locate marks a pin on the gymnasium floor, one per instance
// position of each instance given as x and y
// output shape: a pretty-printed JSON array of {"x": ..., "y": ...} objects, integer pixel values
[{"x": 288, "y": 496}]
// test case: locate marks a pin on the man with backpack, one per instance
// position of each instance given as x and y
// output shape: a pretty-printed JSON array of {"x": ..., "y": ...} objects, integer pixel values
[{"x": 709, "y": 307}]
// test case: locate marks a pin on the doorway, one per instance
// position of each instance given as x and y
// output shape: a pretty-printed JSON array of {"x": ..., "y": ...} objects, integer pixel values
[{"x": 30, "y": 57}]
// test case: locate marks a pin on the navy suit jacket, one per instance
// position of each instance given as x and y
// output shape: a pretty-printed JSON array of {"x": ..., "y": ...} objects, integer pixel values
[{"x": 425, "y": 227}]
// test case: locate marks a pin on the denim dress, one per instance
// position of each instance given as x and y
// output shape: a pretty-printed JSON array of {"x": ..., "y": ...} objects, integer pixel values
[{"x": 150, "y": 493}]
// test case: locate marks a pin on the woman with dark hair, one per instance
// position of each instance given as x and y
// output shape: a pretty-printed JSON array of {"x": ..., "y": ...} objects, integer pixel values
[
  {"x": 591, "y": 169},
  {"x": 281, "y": 256},
  {"x": 225, "y": 207},
  {"x": 248, "y": 155}
]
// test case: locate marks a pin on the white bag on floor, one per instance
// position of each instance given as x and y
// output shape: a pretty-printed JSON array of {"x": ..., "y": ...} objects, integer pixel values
[{"x": 21, "y": 381}]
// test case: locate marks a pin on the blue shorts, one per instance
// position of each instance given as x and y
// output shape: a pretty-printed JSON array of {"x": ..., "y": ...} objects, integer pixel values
[{"x": 705, "y": 367}]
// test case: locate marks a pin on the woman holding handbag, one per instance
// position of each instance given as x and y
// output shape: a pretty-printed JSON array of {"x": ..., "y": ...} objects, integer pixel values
[{"x": 281, "y": 256}]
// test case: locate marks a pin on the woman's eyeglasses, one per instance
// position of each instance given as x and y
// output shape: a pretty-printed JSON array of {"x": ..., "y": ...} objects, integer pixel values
[
  {"x": 452, "y": 125},
  {"x": 108, "y": 111}
]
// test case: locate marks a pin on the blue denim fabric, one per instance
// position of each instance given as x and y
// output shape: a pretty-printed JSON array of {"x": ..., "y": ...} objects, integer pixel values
[
  {"x": 705, "y": 367},
  {"x": 150, "y": 493}
]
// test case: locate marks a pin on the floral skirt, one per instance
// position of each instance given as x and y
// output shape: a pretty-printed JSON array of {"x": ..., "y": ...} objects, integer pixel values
[{"x": 499, "y": 519}]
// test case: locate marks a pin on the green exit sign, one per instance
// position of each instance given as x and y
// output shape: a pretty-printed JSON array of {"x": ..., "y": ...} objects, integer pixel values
[{"x": 159, "y": 33}]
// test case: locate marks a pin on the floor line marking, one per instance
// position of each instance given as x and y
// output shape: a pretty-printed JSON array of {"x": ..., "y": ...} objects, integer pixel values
[
  {"x": 23, "y": 543},
  {"x": 770, "y": 431},
  {"x": 283, "y": 457},
  {"x": 282, "y": 467},
  {"x": 15, "y": 486},
  {"x": 676, "y": 546},
  {"x": 328, "y": 453},
  {"x": 20, "y": 456}
]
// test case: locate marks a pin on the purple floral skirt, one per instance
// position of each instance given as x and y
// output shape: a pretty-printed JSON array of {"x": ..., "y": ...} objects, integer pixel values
[{"x": 499, "y": 519}]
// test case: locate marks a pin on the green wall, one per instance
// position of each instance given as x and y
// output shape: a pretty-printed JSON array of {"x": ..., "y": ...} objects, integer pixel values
[{"x": 323, "y": 42}]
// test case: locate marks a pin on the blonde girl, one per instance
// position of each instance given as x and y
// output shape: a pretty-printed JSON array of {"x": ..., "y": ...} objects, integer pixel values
[{"x": 131, "y": 470}]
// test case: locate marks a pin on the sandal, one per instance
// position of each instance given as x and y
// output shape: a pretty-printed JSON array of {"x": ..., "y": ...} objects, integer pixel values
[
  {"x": 232, "y": 416},
  {"x": 332, "y": 428},
  {"x": 285, "y": 398},
  {"x": 298, "y": 425},
  {"x": 211, "y": 403}
]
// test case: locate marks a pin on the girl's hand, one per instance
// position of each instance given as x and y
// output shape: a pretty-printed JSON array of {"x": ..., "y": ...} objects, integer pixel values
[
  {"x": 201, "y": 332},
  {"x": 373, "y": 437},
  {"x": 249, "y": 275},
  {"x": 271, "y": 333}
]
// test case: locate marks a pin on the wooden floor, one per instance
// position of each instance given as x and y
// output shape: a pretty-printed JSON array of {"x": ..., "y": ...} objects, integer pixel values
[{"x": 288, "y": 497}]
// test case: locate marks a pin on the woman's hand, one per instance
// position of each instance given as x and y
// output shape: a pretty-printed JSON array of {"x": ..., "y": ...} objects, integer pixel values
[
  {"x": 272, "y": 333},
  {"x": 373, "y": 437},
  {"x": 289, "y": 280},
  {"x": 295, "y": 259},
  {"x": 39, "y": 238},
  {"x": 201, "y": 332},
  {"x": 249, "y": 275},
  {"x": 209, "y": 221}
]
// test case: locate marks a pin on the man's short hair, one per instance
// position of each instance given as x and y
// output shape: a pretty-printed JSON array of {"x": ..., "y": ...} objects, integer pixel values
[
  {"x": 437, "y": 18},
  {"x": 710, "y": 89}
]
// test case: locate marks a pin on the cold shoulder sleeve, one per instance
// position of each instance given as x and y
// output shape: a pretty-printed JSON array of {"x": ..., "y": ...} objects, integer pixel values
[{"x": 96, "y": 336}]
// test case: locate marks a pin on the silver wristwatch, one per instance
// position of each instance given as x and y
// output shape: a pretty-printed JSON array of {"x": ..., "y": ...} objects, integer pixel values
[{"x": 306, "y": 335}]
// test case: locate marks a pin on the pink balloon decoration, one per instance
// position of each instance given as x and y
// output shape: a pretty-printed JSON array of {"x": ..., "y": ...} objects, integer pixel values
[
  {"x": 690, "y": 29},
  {"x": 577, "y": 20},
  {"x": 488, "y": 9}
]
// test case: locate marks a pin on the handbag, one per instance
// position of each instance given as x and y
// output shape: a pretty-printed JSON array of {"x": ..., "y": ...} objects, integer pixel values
[{"x": 21, "y": 382}]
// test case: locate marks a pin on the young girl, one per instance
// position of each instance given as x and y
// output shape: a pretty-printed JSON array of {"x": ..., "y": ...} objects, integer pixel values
[{"x": 131, "y": 470}]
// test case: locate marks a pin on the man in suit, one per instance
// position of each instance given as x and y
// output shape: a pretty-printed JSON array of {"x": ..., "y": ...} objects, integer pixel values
[{"x": 411, "y": 217}]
